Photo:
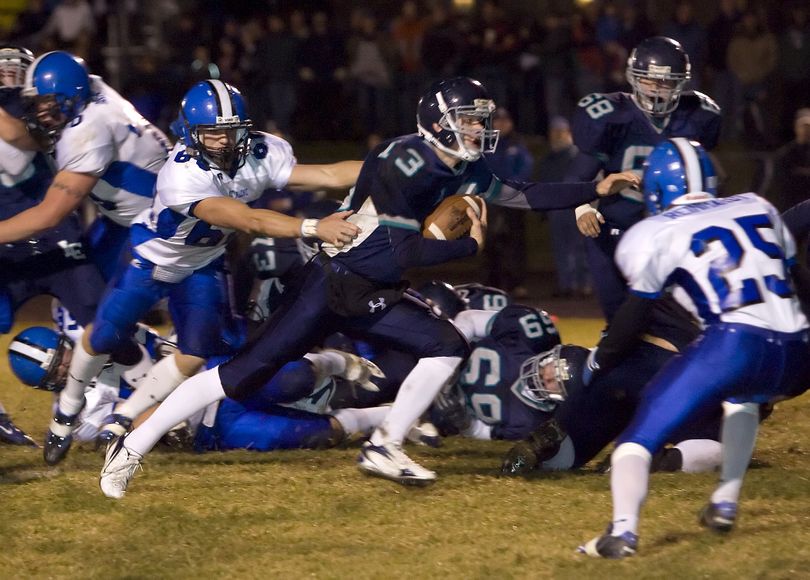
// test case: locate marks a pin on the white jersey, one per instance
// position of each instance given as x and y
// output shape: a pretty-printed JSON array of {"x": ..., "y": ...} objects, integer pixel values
[
  {"x": 169, "y": 235},
  {"x": 725, "y": 260},
  {"x": 112, "y": 141}
]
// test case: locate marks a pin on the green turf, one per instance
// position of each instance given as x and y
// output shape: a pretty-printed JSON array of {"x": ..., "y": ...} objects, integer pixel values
[{"x": 312, "y": 514}]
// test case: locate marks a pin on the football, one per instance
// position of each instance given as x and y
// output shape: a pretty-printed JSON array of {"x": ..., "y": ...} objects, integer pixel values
[{"x": 449, "y": 221}]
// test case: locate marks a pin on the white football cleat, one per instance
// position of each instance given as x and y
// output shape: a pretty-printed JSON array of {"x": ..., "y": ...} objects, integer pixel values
[
  {"x": 389, "y": 461},
  {"x": 120, "y": 464},
  {"x": 359, "y": 370}
]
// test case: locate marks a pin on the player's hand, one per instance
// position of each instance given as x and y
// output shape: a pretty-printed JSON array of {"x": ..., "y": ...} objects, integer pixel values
[
  {"x": 451, "y": 407},
  {"x": 335, "y": 230},
  {"x": 478, "y": 230},
  {"x": 615, "y": 182},
  {"x": 589, "y": 223}
]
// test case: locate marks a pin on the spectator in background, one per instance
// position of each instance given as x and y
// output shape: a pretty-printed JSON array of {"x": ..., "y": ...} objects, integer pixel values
[
  {"x": 635, "y": 26},
  {"x": 322, "y": 72},
  {"x": 442, "y": 45},
  {"x": 505, "y": 252},
  {"x": 493, "y": 43},
  {"x": 276, "y": 77},
  {"x": 408, "y": 32},
  {"x": 608, "y": 33},
  {"x": 590, "y": 62},
  {"x": 369, "y": 70},
  {"x": 752, "y": 57},
  {"x": 557, "y": 64},
  {"x": 72, "y": 25},
  {"x": 29, "y": 23},
  {"x": 718, "y": 76},
  {"x": 785, "y": 180},
  {"x": 794, "y": 62},
  {"x": 567, "y": 245},
  {"x": 685, "y": 29}
]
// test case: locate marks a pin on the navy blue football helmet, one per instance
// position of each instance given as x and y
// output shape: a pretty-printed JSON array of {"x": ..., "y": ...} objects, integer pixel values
[
  {"x": 518, "y": 326},
  {"x": 552, "y": 375},
  {"x": 39, "y": 357},
  {"x": 444, "y": 115},
  {"x": 658, "y": 70},
  {"x": 14, "y": 61},
  {"x": 58, "y": 85},
  {"x": 213, "y": 105},
  {"x": 480, "y": 297},
  {"x": 442, "y": 296},
  {"x": 674, "y": 168}
]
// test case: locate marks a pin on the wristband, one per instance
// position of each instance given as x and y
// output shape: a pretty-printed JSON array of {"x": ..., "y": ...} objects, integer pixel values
[
  {"x": 583, "y": 209},
  {"x": 309, "y": 228}
]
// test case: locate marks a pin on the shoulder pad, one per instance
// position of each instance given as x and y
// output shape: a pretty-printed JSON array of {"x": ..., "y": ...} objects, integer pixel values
[
  {"x": 593, "y": 117},
  {"x": 696, "y": 99}
]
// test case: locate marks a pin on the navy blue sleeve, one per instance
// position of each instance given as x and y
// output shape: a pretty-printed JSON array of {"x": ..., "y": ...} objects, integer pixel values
[
  {"x": 629, "y": 322},
  {"x": 413, "y": 250},
  {"x": 544, "y": 196},
  {"x": 583, "y": 167}
]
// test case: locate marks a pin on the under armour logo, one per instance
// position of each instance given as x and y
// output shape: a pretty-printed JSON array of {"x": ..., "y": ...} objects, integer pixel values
[{"x": 372, "y": 307}]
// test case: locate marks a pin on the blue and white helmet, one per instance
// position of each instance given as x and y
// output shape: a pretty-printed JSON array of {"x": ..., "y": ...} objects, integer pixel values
[
  {"x": 62, "y": 80},
  {"x": 215, "y": 105},
  {"x": 39, "y": 357},
  {"x": 674, "y": 168}
]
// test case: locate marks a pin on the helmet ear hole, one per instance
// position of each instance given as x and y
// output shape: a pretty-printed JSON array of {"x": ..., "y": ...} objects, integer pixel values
[{"x": 38, "y": 357}]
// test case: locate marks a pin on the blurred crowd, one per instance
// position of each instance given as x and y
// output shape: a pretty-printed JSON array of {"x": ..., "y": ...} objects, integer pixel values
[{"x": 330, "y": 69}]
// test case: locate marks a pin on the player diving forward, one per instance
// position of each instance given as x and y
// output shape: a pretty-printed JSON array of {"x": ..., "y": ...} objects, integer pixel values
[
  {"x": 357, "y": 288},
  {"x": 214, "y": 171},
  {"x": 728, "y": 261}
]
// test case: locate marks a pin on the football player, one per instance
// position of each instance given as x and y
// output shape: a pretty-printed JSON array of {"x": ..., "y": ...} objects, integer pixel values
[
  {"x": 490, "y": 383},
  {"x": 693, "y": 246},
  {"x": 616, "y": 132},
  {"x": 103, "y": 148},
  {"x": 216, "y": 169},
  {"x": 357, "y": 288}
]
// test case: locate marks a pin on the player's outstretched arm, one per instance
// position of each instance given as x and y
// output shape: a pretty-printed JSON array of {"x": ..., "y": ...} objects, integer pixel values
[
  {"x": 15, "y": 132},
  {"x": 340, "y": 175},
  {"x": 63, "y": 196},
  {"x": 615, "y": 182},
  {"x": 230, "y": 213}
]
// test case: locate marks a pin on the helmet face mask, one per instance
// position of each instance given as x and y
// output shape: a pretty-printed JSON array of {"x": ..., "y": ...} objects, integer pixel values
[
  {"x": 455, "y": 116},
  {"x": 544, "y": 376},
  {"x": 14, "y": 61},
  {"x": 215, "y": 125},
  {"x": 658, "y": 70}
]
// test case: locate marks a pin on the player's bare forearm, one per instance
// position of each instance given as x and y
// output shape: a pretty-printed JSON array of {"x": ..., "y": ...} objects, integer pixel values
[
  {"x": 63, "y": 196},
  {"x": 341, "y": 175},
  {"x": 15, "y": 132}
]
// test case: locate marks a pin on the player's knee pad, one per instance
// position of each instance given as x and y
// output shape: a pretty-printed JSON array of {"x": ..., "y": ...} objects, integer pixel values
[
  {"x": 629, "y": 448},
  {"x": 107, "y": 337},
  {"x": 294, "y": 381}
]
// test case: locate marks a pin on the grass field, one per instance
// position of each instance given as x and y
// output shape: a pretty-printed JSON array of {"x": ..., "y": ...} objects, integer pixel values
[{"x": 312, "y": 514}]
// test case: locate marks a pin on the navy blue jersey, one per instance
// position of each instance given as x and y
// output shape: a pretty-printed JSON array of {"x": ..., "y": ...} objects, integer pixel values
[
  {"x": 614, "y": 135},
  {"x": 480, "y": 297},
  {"x": 487, "y": 381},
  {"x": 401, "y": 183}
]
